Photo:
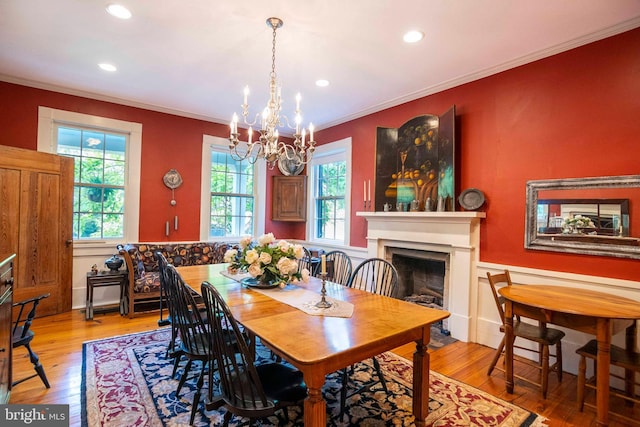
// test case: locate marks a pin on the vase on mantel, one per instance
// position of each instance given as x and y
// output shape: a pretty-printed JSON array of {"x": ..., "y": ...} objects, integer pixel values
[{"x": 406, "y": 188}]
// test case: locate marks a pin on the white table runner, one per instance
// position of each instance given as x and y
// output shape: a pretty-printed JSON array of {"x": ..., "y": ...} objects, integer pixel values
[{"x": 300, "y": 298}]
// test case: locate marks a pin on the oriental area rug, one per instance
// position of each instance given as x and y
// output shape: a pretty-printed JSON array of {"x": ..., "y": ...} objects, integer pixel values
[{"x": 126, "y": 381}]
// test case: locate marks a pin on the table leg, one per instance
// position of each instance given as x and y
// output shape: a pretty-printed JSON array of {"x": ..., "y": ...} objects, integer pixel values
[
  {"x": 508, "y": 345},
  {"x": 629, "y": 375},
  {"x": 603, "y": 335},
  {"x": 315, "y": 407},
  {"x": 421, "y": 378},
  {"x": 88, "y": 314}
]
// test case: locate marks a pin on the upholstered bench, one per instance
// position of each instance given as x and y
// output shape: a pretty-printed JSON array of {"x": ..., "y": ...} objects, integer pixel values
[{"x": 142, "y": 266}]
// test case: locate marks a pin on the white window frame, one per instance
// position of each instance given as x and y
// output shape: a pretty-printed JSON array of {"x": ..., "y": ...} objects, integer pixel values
[
  {"x": 328, "y": 153},
  {"x": 49, "y": 118},
  {"x": 259, "y": 190}
]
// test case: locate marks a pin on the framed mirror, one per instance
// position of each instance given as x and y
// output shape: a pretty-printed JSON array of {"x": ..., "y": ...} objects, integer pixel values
[{"x": 593, "y": 216}]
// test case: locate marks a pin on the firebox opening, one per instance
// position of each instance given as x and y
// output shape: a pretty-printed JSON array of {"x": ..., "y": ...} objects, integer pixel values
[{"x": 422, "y": 278}]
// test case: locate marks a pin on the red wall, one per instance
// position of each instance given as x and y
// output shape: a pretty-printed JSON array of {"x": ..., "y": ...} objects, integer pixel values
[
  {"x": 576, "y": 114},
  {"x": 571, "y": 115}
]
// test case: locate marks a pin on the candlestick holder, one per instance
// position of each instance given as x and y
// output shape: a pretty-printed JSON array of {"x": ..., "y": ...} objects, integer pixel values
[{"x": 323, "y": 303}]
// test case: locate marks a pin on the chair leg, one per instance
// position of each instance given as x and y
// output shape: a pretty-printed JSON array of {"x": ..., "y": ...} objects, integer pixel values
[
  {"x": 176, "y": 363},
  {"x": 380, "y": 376},
  {"x": 545, "y": 370},
  {"x": 559, "y": 360},
  {"x": 496, "y": 356},
  {"x": 196, "y": 396},
  {"x": 582, "y": 374},
  {"x": 227, "y": 418},
  {"x": 343, "y": 393},
  {"x": 183, "y": 378},
  {"x": 37, "y": 365}
]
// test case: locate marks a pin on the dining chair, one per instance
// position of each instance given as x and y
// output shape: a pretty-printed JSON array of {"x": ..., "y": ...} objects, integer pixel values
[
  {"x": 305, "y": 261},
  {"x": 540, "y": 334},
  {"x": 22, "y": 335},
  {"x": 338, "y": 267},
  {"x": 247, "y": 389},
  {"x": 629, "y": 360},
  {"x": 164, "y": 283},
  {"x": 377, "y": 276},
  {"x": 192, "y": 330}
]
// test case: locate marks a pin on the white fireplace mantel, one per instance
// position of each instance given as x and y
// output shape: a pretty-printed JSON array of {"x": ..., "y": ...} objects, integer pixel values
[{"x": 454, "y": 233}]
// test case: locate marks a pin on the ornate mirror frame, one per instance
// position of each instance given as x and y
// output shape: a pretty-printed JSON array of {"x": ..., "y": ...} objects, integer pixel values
[{"x": 622, "y": 247}]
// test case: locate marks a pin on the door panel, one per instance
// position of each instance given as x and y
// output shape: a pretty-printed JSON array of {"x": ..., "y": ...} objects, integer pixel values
[{"x": 41, "y": 219}]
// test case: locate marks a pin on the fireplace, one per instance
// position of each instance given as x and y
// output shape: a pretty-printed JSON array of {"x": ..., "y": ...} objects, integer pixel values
[
  {"x": 422, "y": 278},
  {"x": 450, "y": 239}
]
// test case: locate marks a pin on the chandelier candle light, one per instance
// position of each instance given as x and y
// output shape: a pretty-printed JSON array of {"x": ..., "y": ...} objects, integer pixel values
[{"x": 268, "y": 146}]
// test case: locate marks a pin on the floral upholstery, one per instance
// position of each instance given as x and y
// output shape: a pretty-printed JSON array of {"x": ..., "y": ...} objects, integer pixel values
[{"x": 144, "y": 275}]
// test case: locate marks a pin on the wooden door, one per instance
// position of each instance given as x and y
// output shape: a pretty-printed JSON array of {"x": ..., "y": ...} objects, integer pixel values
[{"x": 36, "y": 197}]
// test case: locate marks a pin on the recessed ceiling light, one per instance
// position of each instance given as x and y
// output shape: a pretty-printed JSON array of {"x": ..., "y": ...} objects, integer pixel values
[
  {"x": 413, "y": 36},
  {"x": 119, "y": 11},
  {"x": 107, "y": 67},
  {"x": 322, "y": 83}
]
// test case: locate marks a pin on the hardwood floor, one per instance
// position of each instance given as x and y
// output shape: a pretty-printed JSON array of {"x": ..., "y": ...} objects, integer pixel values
[{"x": 59, "y": 340}]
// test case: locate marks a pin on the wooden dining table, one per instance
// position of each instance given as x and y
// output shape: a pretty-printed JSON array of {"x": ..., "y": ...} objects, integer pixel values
[
  {"x": 320, "y": 345},
  {"x": 597, "y": 313}
]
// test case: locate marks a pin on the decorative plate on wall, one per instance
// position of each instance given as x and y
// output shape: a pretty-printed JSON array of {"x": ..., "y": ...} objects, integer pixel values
[
  {"x": 471, "y": 199},
  {"x": 290, "y": 167}
]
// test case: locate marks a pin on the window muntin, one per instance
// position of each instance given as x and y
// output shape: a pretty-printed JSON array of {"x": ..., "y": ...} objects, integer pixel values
[
  {"x": 99, "y": 180},
  {"x": 231, "y": 196}
]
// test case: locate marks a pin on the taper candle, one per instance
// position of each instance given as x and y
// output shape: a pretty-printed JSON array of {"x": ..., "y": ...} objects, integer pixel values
[
  {"x": 166, "y": 228},
  {"x": 324, "y": 264},
  {"x": 369, "y": 191},
  {"x": 364, "y": 190}
]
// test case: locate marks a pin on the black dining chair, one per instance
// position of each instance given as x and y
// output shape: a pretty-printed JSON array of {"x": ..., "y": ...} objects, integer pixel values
[
  {"x": 22, "y": 335},
  {"x": 339, "y": 267},
  {"x": 192, "y": 330},
  {"x": 247, "y": 389},
  {"x": 380, "y": 277},
  {"x": 164, "y": 283},
  {"x": 305, "y": 261}
]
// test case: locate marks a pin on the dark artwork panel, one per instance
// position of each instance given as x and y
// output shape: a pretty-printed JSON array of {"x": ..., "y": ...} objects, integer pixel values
[
  {"x": 446, "y": 158},
  {"x": 386, "y": 166},
  {"x": 416, "y": 163}
]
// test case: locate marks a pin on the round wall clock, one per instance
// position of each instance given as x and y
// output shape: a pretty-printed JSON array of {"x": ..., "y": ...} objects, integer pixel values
[{"x": 172, "y": 180}]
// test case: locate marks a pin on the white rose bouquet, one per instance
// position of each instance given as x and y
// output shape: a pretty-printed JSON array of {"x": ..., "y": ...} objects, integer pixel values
[
  {"x": 577, "y": 224},
  {"x": 268, "y": 261}
]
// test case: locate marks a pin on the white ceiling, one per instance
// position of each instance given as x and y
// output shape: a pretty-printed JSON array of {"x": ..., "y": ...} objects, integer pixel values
[{"x": 194, "y": 57}]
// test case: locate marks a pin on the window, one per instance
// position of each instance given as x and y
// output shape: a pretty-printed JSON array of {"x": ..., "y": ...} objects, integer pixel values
[
  {"x": 330, "y": 184},
  {"x": 99, "y": 178},
  {"x": 231, "y": 196},
  {"x": 230, "y": 201},
  {"x": 107, "y": 156}
]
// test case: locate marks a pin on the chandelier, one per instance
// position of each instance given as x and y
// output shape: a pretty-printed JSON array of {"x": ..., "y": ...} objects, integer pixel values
[{"x": 268, "y": 146}]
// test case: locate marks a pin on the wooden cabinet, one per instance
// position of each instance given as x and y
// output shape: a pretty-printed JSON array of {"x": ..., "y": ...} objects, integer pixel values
[
  {"x": 6, "y": 301},
  {"x": 289, "y": 202},
  {"x": 36, "y": 196}
]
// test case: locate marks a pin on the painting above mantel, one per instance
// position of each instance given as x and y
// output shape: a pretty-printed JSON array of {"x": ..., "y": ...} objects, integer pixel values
[{"x": 416, "y": 163}]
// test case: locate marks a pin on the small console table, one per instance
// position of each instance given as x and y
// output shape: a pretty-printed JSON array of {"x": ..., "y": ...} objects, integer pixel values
[{"x": 102, "y": 279}]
